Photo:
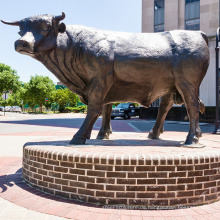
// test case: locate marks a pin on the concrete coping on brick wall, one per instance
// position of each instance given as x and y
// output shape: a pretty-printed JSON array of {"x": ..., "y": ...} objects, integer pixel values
[{"x": 149, "y": 173}]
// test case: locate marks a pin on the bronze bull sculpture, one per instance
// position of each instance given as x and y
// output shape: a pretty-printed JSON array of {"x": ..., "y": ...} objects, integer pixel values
[{"x": 103, "y": 67}]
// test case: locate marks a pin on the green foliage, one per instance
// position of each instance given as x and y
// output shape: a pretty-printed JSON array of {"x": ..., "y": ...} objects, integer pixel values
[
  {"x": 73, "y": 98},
  {"x": 81, "y": 108},
  {"x": 2, "y": 102},
  {"x": 64, "y": 97},
  {"x": 54, "y": 106},
  {"x": 14, "y": 99},
  {"x": 37, "y": 90},
  {"x": 9, "y": 80}
]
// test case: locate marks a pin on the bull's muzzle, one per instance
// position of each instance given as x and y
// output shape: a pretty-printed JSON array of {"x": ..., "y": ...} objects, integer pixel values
[
  {"x": 25, "y": 44},
  {"x": 21, "y": 45}
]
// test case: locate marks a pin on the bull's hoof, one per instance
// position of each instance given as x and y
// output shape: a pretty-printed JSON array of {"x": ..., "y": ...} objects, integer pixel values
[
  {"x": 102, "y": 136},
  {"x": 191, "y": 140},
  {"x": 152, "y": 135},
  {"x": 77, "y": 141}
]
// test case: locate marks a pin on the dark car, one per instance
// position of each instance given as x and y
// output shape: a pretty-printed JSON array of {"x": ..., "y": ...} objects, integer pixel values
[{"x": 125, "y": 110}]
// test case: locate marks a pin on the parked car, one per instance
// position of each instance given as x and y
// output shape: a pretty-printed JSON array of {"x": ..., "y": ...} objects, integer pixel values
[
  {"x": 125, "y": 110},
  {"x": 16, "y": 109},
  {"x": 7, "y": 108},
  {"x": 1, "y": 108}
]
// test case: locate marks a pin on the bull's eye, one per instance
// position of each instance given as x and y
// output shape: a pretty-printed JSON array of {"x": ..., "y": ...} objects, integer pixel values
[{"x": 46, "y": 28}]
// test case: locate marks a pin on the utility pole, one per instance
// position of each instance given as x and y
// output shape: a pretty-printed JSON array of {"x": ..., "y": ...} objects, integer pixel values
[{"x": 217, "y": 130}]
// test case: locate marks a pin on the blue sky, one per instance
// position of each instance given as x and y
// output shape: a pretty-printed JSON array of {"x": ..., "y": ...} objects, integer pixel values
[{"x": 115, "y": 15}]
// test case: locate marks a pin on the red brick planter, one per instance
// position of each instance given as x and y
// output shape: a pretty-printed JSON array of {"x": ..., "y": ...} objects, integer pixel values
[{"x": 152, "y": 180}]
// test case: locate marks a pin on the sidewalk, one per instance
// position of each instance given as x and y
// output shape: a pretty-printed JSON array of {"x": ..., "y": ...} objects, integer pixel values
[{"x": 21, "y": 202}]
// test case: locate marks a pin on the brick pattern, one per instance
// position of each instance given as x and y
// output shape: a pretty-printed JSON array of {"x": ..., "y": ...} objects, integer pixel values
[{"x": 124, "y": 179}]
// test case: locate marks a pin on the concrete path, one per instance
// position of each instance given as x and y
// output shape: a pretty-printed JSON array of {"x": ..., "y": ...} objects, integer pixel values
[{"x": 19, "y": 201}]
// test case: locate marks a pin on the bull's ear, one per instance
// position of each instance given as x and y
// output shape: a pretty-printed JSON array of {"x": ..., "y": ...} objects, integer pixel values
[{"x": 62, "y": 28}]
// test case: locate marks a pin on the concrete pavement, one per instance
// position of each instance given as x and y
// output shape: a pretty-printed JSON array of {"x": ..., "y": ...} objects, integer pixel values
[{"x": 16, "y": 198}]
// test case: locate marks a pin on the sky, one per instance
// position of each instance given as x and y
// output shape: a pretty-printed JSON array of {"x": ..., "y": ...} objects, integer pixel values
[{"x": 114, "y": 15}]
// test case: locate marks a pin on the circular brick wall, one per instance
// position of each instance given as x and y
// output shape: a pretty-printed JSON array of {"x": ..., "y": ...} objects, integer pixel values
[{"x": 154, "y": 179}]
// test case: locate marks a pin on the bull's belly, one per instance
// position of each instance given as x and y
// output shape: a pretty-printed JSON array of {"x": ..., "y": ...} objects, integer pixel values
[{"x": 143, "y": 93}]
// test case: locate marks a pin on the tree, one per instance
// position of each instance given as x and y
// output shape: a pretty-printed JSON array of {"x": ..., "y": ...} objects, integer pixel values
[
  {"x": 37, "y": 90},
  {"x": 64, "y": 97},
  {"x": 73, "y": 98},
  {"x": 61, "y": 98},
  {"x": 15, "y": 99},
  {"x": 9, "y": 80},
  {"x": 27, "y": 99},
  {"x": 2, "y": 102}
]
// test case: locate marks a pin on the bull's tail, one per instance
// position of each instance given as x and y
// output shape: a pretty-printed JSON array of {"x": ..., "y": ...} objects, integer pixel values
[
  {"x": 179, "y": 101},
  {"x": 205, "y": 37}
]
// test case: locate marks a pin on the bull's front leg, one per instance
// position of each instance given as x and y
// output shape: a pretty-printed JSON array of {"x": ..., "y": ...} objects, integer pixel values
[
  {"x": 106, "y": 128},
  {"x": 96, "y": 94},
  {"x": 93, "y": 112}
]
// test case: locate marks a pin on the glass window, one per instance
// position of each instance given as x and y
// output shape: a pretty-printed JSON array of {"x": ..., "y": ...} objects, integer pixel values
[
  {"x": 192, "y": 14},
  {"x": 156, "y": 103},
  {"x": 158, "y": 15},
  {"x": 123, "y": 105}
]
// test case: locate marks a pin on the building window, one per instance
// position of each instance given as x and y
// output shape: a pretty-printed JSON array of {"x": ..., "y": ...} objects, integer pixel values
[
  {"x": 158, "y": 15},
  {"x": 156, "y": 103},
  {"x": 192, "y": 14}
]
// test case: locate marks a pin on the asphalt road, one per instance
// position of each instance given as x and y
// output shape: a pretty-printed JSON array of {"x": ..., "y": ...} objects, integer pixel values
[{"x": 14, "y": 122}]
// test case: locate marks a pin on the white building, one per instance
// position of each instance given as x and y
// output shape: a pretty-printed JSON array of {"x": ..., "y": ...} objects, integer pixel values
[{"x": 204, "y": 15}]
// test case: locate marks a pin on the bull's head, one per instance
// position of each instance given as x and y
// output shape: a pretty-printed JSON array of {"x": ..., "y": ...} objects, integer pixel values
[{"x": 38, "y": 33}]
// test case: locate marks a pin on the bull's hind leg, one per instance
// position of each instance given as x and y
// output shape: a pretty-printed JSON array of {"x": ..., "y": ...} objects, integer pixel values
[
  {"x": 165, "y": 105},
  {"x": 190, "y": 97},
  {"x": 106, "y": 128}
]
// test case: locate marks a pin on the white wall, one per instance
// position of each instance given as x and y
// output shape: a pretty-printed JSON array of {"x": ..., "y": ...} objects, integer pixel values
[{"x": 175, "y": 19}]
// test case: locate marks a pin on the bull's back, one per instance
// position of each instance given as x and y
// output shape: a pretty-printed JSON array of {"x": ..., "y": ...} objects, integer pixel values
[
  {"x": 143, "y": 57},
  {"x": 157, "y": 54}
]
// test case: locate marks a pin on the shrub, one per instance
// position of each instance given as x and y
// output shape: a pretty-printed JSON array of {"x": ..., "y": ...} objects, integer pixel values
[
  {"x": 81, "y": 108},
  {"x": 61, "y": 108}
]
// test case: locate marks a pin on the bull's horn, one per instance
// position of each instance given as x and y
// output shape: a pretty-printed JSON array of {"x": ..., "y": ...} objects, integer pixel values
[
  {"x": 14, "y": 23},
  {"x": 60, "y": 17}
]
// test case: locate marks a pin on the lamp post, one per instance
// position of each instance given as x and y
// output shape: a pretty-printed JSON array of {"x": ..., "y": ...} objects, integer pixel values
[{"x": 217, "y": 130}]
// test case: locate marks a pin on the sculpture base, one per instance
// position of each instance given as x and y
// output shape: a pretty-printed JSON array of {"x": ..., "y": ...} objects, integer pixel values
[{"x": 127, "y": 170}]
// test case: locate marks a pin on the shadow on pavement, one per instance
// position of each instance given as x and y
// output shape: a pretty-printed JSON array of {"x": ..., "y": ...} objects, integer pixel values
[
  {"x": 117, "y": 125},
  {"x": 64, "y": 122},
  {"x": 131, "y": 125}
]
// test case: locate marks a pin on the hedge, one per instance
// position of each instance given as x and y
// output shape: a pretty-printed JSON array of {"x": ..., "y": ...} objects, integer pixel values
[{"x": 81, "y": 108}]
